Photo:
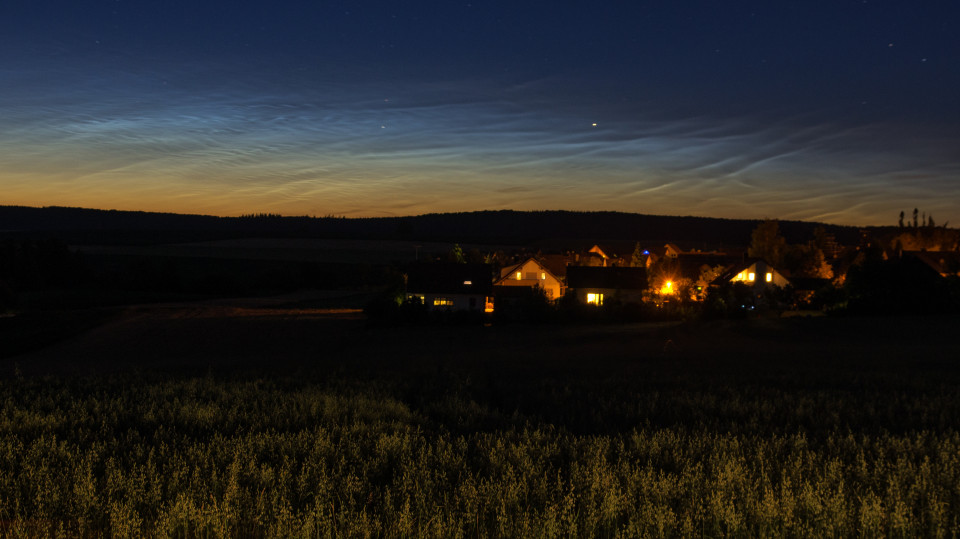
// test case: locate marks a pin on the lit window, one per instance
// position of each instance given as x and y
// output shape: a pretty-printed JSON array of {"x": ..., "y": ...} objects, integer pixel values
[
  {"x": 519, "y": 276},
  {"x": 468, "y": 283},
  {"x": 741, "y": 276},
  {"x": 438, "y": 302},
  {"x": 595, "y": 299},
  {"x": 751, "y": 276},
  {"x": 543, "y": 275},
  {"x": 769, "y": 277}
]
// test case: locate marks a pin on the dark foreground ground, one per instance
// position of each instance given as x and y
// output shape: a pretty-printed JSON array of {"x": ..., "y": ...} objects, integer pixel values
[
  {"x": 284, "y": 417},
  {"x": 277, "y": 335}
]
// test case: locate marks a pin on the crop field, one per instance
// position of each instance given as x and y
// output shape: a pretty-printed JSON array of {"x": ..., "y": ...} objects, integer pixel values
[{"x": 256, "y": 420}]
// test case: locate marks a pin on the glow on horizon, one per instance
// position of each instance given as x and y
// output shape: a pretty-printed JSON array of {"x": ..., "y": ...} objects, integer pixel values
[{"x": 348, "y": 150}]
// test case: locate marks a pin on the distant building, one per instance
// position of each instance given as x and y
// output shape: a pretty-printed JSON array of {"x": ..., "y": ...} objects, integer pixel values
[
  {"x": 531, "y": 274},
  {"x": 596, "y": 285},
  {"x": 946, "y": 263},
  {"x": 755, "y": 273},
  {"x": 451, "y": 286}
]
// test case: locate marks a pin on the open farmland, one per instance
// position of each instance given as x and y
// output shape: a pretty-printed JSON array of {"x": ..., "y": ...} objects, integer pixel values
[{"x": 260, "y": 418}]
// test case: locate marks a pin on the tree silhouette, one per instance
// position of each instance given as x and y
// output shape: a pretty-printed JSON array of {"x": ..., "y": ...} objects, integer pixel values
[
  {"x": 456, "y": 254},
  {"x": 767, "y": 243},
  {"x": 637, "y": 259}
]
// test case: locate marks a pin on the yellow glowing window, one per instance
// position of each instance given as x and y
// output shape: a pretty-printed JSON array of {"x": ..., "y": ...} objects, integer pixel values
[
  {"x": 443, "y": 302},
  {"x": 769, "y": 277},
  {"x": 543, "y": 275},
  {"x": 595, "y": 299},
  {"x": 519, "y": 276},
  {"x": 751, "y": 276},
  {"x": 467, "y": 283},
  {"x": 741, "y": 276}
]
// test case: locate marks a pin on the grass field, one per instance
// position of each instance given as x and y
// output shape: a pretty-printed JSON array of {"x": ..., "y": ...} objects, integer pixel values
[{"x": 279, "y": 420}]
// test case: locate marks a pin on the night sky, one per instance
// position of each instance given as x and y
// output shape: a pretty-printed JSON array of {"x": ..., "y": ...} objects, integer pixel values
[{"x": 840, "y": 111}]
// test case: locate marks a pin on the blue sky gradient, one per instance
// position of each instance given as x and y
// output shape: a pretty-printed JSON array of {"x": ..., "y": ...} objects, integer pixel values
[{"x": 843, "y": 111}]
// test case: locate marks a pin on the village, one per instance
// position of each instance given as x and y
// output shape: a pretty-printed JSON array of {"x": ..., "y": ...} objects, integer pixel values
[{"x": 902, "y": 270}]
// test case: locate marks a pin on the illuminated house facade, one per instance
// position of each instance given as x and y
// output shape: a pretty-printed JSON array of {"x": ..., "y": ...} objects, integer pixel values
[
  {"x": 531, "y": 274},
  {"x": 451, "y": 287},
  {"x": 756, "y": 274}
]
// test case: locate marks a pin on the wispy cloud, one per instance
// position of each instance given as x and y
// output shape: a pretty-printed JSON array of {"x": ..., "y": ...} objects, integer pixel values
[{"x": 226, "y": 142}]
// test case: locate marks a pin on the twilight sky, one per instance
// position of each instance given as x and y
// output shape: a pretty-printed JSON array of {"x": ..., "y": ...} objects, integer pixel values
[{"x": 845, "y": 111}]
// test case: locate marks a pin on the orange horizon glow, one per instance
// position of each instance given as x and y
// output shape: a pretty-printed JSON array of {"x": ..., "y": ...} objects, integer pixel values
[{"x": 224, "y": 201}]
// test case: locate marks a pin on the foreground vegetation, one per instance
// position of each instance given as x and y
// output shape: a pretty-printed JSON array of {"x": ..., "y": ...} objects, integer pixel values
[{"x": 493, "y": 442}]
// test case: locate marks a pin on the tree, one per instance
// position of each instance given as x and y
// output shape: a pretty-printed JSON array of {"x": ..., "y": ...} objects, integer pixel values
[
  {"x": 638, "y": 259},
  {"x": 916, "y": 214},
  {"x": 900, "y": 222},
  {"x": 456, "y": 254},
  {"x": 767, "y": 243}
]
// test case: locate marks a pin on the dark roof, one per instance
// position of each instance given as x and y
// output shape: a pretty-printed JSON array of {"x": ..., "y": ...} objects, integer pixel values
[
  {"x": 614, "y": 277},
  {"x": 689, "y": 265},
  {"x": 735, "y": 269},
  {"x": 617, "y": 249},
  {"x": 450, "y": 278},
  {"x": 556, "y": 264},
  {"x": 944, "y": 262}
]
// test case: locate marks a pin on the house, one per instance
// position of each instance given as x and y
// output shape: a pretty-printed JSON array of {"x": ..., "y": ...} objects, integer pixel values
[
  {"x": 671, "y": 250},
  {"x": 946, "y": 263},
  {"x": 595, "y": 285},
  {"x": 557, "y": 264},
  {"x": 756, "y": 274},
  {"x": 451, "y": 286},
  {"x": 693, "y": 271},
  {"x": 530, "y": 274}
]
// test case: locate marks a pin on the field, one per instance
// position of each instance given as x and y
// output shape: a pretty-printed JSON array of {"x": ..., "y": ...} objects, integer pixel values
[{"x": 291, "y": 418}]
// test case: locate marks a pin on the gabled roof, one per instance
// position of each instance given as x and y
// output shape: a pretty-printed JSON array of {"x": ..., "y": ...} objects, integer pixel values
[
  {"x": 556, "y": 264},
  {"x": 944, "y": 262},
  {"x": 450, "y": 278},
  {"x": 611, "y": 277},
  {"x": 735, "y": 270},
  {"x": 506, "y": 273},
  {"x": 599, "y": 251}
]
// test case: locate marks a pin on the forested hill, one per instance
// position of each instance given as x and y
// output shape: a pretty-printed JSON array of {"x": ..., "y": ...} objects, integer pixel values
[{"x": 78, "y": 225}]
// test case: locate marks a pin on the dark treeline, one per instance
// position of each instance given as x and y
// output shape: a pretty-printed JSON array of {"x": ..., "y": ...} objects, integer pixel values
[{"x": 86, "y": 226}]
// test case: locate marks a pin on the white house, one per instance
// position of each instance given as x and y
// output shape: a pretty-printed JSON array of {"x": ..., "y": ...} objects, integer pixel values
[
  {"x": 531, "y": 273},
  {"x": 756, "y": 274}
]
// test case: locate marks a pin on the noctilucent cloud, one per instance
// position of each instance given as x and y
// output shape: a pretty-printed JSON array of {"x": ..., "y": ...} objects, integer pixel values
[{"x": 839, "y": 111}]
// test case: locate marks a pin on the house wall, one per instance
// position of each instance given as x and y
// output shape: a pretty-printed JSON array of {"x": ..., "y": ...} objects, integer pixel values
[
  {"x": 451, "y": 302},
  {"x": 609, "y": 294},
  {"x": 760, "y": 271}
]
